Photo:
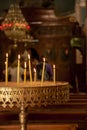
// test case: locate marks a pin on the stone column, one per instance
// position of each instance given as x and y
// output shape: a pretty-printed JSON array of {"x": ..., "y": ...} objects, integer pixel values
[{"x": 77, "y": 11}]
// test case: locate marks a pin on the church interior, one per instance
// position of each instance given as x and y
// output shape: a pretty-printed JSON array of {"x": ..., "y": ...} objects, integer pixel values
[{"x": 56, "y": 30}]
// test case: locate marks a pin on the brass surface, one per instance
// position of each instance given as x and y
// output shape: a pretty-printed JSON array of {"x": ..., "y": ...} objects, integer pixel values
[{"x": 32, "y": 94}]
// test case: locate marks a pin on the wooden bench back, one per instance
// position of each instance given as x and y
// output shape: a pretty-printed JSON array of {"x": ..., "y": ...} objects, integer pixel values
[{"x": 41, "y": 127}]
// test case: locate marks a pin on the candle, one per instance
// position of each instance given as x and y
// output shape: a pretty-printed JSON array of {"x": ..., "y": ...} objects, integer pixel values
[
  {"x": 6, "y": 73},
  {"x": 6, "y": 63},
  {"x": 42, "y": 78},
  {"x": 54, "y": 74},
  {"x": 7, "y": 55},
  {"x": 18, "y": 70},
  {"x": 35, "y": 75},
  {"x": 25, "y": 71},
  {"x": 30, "y": 69}
]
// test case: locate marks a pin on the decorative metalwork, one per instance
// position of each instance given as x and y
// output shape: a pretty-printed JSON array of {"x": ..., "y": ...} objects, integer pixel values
[
  {"x": 32, "y": 94},
  {"x": 14, "y": 25}
]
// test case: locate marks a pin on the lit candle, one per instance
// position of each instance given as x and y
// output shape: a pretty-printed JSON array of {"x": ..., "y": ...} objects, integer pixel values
[
  {"x": 25, "y": 71},
  {"x": 18, "y": 69},
  {"x": 30, "y": 69},
  {"x": 35, "y": 75},
  {"x": 54, "y": 74},
  {"x": 6, "y": 63},
  {"x": 42, "y": 78},
  {"x": 6, "y": 79}
]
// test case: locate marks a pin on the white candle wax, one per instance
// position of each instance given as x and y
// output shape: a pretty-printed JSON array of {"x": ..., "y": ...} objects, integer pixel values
[
  {"x": 54, "y": 74},
  {"x": 25, "y": 66},
  {"x": 18, "y": 69},
  {"x": 6, "y": 63},
  {"x": 6, "y": 73},
  {"x": 35, "y": 75},
  {"x": 30, "y": 68},
  {"x": 42, "y": 78}
]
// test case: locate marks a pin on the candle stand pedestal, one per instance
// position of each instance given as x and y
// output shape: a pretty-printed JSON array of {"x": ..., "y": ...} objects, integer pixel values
[{"x": 32, "y": 94}]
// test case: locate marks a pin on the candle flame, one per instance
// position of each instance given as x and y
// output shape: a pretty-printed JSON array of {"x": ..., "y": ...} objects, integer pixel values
[
  {"x": 54, "y": 66},
  {"x": 6, "y": 55},
  {"x": 34, "y": 70},
  {"x": 29, "y": 56},
  {"x": 19, "y": 56},
  {"x": 44, "y": 60}
]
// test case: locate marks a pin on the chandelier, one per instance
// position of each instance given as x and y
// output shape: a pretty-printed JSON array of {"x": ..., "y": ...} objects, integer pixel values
[{"x": 14, "y": 25}]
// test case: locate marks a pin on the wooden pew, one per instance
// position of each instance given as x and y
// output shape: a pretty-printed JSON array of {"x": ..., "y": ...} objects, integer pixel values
[
  {"x": 75, "y": 110},
  {"x": 42, "y": 127}
]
